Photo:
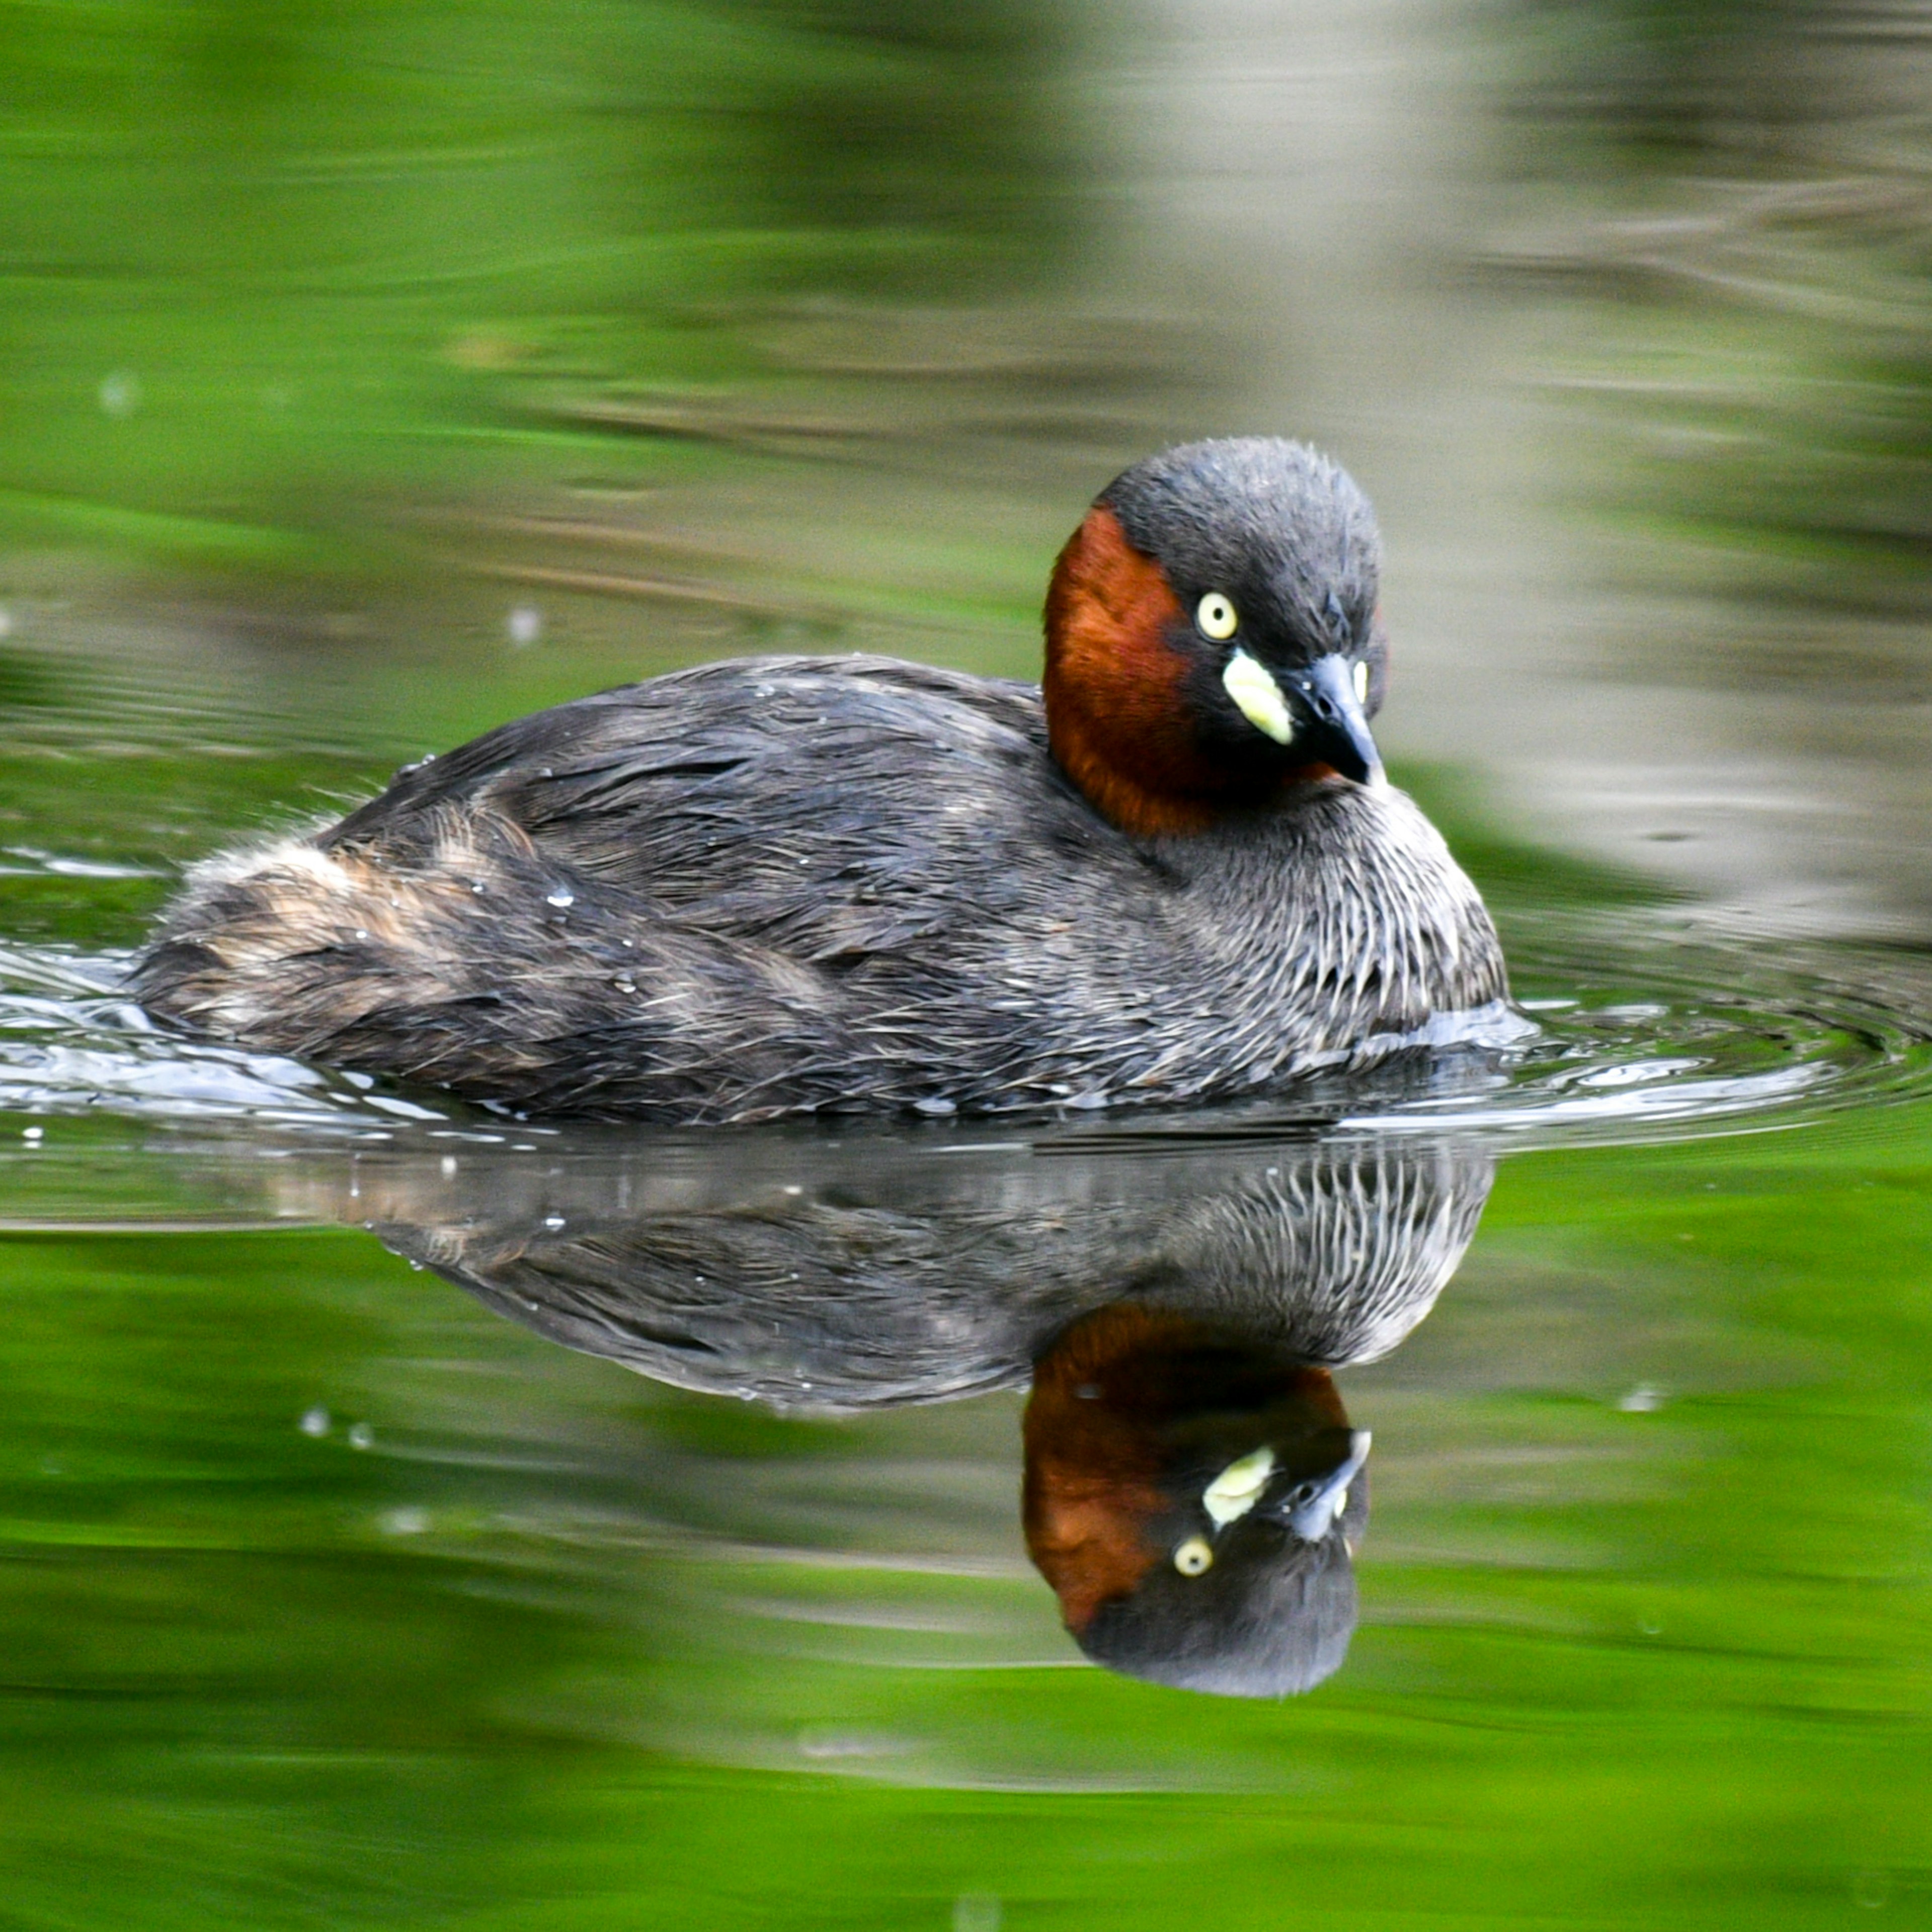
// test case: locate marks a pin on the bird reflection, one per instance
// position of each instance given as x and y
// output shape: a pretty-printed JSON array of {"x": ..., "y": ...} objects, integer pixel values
[
  {"x": 1194, "y": 1492},
  {"x": 1195, "y": 1498}
]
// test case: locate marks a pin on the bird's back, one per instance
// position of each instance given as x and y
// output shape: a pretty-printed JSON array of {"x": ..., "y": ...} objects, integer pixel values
[
  {"x": 750, "y": 887},
  {"x": 789, "y": 884}
]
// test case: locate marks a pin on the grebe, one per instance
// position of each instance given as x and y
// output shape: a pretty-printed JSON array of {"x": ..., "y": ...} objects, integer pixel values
[{"x": 1175, "y": 872}]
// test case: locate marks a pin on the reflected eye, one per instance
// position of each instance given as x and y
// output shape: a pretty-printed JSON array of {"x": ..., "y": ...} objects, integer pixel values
[
  {"x": 1193, "y": 1556},
  {"x": 1216, "y": 616},
  {"x": 1361, "y": 684}
]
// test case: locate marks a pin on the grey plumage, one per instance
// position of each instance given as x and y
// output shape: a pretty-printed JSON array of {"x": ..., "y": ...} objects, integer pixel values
[
  {"x": 794, "y": 884},
  {"x": 1280, "y": 528},
  {"x": 1275, "y": 1625}
]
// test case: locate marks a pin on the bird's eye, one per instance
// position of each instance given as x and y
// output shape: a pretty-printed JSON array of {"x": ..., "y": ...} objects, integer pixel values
[
  {"x": 1193, "y": 1556},
  {"x": 1361, "y": 684},
  {"x": 1216, "y": 616}
]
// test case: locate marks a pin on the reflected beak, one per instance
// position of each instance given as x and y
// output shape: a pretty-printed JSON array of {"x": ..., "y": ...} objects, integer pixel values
[
  {"x": 1337, "y": 733},
  {"x": 1313, "y": 1519},
  {"x": 1238, "y": 1488}
]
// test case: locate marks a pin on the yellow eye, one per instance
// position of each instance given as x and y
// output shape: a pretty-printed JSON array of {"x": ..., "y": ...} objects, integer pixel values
[
  {"x": 1216, "y": 616},
  {"x": 1361, "y": 684},
  {"x": 1193, "y": 1556}
]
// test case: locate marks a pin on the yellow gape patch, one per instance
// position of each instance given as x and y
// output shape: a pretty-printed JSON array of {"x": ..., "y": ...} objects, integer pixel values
[{"x": 1254, "y": 691}]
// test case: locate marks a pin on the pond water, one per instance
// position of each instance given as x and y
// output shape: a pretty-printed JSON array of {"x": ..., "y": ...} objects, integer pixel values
[{"x": 409, "y": 1517}]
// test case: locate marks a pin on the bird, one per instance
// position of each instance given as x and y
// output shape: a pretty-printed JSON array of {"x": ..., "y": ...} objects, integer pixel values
[{"x": 1175, "y": 873}]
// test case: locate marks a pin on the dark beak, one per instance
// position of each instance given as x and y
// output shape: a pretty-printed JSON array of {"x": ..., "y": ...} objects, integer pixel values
[
  {"x": 1310, "y": 1508},
  {"x": 1337, "y": 731}
]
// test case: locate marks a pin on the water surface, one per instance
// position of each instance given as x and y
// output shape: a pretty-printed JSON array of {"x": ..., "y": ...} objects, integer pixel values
[{"x": 411, "y": 1517}]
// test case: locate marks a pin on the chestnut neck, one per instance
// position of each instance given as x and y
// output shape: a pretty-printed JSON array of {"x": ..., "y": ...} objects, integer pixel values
[{"x": 1116, "y": 714}]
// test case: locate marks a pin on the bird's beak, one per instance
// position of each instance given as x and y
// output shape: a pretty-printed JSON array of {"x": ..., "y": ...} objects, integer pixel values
[
  {"x": 1313, "y": 1519},
  {"x": 1337, "y": 733}
]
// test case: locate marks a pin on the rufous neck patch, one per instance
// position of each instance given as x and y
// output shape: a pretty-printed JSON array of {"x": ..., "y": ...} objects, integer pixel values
[{"x": 1117, "y": 715}]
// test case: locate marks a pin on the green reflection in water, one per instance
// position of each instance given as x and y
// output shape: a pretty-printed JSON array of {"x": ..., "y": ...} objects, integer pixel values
[
  {"x": 1645, "y": 1615},
  {"x": 270, "y": 269},
  {"x": 1645, "y": 1592}
]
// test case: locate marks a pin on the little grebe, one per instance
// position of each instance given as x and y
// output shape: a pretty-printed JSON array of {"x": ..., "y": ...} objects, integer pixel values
[{"x": 785, "y": 885}]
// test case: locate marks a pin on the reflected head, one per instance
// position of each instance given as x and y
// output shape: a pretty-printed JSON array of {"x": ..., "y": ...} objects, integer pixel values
[{"x": 1195, "y": 1498}]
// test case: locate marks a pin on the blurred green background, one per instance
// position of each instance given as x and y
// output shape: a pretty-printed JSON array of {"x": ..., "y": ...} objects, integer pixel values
[
  {"x": 370, "y": 373},
  {"x": 412, "y": 336},
  {"x": 276, "y": 271}
]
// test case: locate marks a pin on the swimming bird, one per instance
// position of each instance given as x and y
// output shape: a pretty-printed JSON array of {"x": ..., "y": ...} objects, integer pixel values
[{"x": 1174, "y": 872}]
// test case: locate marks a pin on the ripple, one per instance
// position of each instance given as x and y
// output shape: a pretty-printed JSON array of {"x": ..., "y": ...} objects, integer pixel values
[
  {"x": 1644, "y": 1031},
  {"x": 71, "y": 1043},
  {"x": 1641, "y": 1032}
]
